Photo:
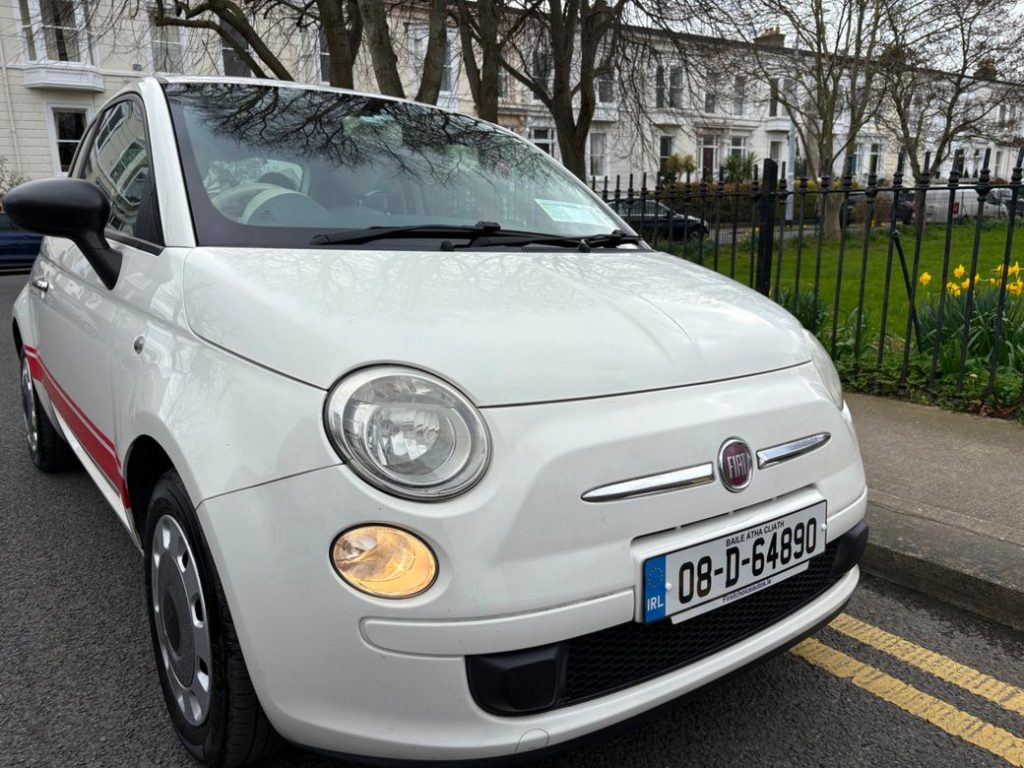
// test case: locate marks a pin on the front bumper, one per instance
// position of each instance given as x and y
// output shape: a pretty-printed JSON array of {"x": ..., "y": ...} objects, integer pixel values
[{"x": 524, "y": 562}]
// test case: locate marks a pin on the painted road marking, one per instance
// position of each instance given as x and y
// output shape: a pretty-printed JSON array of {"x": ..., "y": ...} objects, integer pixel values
[
  {"x": 918, "y": 703},
  {"x": 987, "y": 687}
]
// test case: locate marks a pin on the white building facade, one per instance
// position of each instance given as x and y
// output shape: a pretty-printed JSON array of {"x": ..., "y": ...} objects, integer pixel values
[{"x": 58, "y": 65}]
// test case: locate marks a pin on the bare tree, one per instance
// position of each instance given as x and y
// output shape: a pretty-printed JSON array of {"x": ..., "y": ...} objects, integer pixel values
[
  {"x": 559, "y": 52},
  {"x": 344, "y": 26},
  {"x": 960, "y": 83}
]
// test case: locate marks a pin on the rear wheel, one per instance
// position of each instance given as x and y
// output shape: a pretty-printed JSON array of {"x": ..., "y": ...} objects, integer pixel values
[
  {"x": 206, "y": 686},
  {"x": 48, "y": 449}
]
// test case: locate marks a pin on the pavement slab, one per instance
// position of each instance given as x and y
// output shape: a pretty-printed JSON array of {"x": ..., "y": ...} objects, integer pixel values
[{"x": 945, "y": 503}]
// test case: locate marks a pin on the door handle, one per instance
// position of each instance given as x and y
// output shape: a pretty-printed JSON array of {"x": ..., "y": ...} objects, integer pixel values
[{"x": 41, "y": 283}]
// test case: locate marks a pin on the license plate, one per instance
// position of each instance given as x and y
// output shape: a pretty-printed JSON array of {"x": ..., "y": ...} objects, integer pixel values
[{"x": 698, "y": 579}]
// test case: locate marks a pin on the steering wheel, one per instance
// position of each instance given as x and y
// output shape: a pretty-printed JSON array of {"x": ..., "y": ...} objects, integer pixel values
[
  {"x": 262, "y": 198},
  {"x": 242, "y": 202},
  {"x": 232, "y": 202}
]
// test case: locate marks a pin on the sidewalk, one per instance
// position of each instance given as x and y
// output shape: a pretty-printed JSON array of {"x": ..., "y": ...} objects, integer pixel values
[{"x": 945, "y": 504}]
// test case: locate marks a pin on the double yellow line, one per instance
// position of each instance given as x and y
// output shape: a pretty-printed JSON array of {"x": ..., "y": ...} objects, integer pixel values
[{"x": 953, "y": 721}]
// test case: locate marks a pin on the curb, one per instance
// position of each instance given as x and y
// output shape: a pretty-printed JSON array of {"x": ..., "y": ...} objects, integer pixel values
[{"x": 973, "y": 572}]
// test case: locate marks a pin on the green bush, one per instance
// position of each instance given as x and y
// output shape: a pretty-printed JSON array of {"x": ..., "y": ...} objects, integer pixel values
[{"x": 809, "y": 309}]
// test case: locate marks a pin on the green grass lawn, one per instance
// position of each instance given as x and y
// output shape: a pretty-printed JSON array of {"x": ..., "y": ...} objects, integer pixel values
[{"x": 871, "y": 292}]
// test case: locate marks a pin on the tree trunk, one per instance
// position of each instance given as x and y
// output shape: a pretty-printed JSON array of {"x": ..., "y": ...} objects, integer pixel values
[
  {"x": 382, "y": 52},
  {"x": 343, "y": 37},
  {"x": 432, "y": 69},
  {"x": 483, "y": 77}
]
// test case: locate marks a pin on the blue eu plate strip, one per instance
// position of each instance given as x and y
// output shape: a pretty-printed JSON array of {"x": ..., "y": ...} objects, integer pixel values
[{"x": 654, "y": 589}]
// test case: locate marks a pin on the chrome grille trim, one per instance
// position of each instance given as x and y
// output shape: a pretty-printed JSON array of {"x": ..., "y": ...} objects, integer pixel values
[
  {"x": 701, "y": 474},
  {"x": 776, "y": 454}
]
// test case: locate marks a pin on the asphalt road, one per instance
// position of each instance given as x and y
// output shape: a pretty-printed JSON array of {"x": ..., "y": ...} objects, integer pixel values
[{"x": 78, "y": 684}]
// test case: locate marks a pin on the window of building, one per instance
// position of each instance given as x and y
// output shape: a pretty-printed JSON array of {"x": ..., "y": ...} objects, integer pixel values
[
  {"x": 659, "y": 87},
  {"x": 544, "y": 138},
  {"x": 710, "y": 99},
  {"x": 998, "y": 171},
  {"x": 666, "y": 148},
  {"x": 541, "y": 67},
  {"x": 958, "y": 160},
  {"x": 739, "y": 95},
  {"x": 675, "y": 87},
  {"x": 448, "y": 73},
  {"x": 120, "y": 167},
  {"x": 875, "y": 159},
  {"x": 853, "y": 161},
  {"x": 504, "y": 84},
  {"x": 55, "y": 30},
  {"x": 68, "y": 129},
  {"x": 234, "y": 65},
  {"x": 324, "y": 55},
  {"x": 168, "y": 48},
  {"x": 773, "y": 103},
  {"x": 738, "y": 146},
  {"x": 606, "y": 88},
  {"x": 26, "y": 30},
  {"x": 709, "y": 154},
  {"x": 775, "y": 151},
  {"x": 418, "y": 39},
  {"x": 598, "y": 154}
]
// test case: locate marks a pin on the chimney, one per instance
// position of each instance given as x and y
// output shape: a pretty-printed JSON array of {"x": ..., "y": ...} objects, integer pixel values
[{"x": 771, "y": 38}]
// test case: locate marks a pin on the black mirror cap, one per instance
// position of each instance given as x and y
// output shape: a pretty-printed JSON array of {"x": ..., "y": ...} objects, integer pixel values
[{"x": 71, "y": 208}]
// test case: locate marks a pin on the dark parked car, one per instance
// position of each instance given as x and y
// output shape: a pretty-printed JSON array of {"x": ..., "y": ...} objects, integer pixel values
[
  {"x": 656, "y": 221},
  {"x": 904, "y": 205},
  {"x": 18, "y": 249}
]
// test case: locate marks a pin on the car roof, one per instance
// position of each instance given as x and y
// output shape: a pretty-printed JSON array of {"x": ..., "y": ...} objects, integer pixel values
[{"x": 290, "y": 84}]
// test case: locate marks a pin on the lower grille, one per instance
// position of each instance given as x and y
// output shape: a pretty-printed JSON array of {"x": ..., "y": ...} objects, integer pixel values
[
  {"x": 585, "y": 667},
  {"x": 622, "y": 656}
]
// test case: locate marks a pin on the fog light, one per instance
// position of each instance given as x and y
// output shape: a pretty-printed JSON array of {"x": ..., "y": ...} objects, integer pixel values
[{"x": 384, "y": 561}]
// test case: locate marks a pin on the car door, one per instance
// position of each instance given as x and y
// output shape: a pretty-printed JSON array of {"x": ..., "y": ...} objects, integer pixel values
[{"x": 76, "y": 313}]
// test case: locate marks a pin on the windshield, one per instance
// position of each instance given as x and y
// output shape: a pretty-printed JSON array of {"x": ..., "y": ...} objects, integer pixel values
[{"x": 274, "y": 166}]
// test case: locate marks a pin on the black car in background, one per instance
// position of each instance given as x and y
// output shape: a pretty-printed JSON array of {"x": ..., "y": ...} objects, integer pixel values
[
  {"x": 851, "y": 213},
  {"x": 656, "y": 221},
  {"x": 18, "y": 249}
]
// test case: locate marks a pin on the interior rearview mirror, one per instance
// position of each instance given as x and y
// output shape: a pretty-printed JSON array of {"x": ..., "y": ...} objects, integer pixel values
[{"x": 71, "y": 208}]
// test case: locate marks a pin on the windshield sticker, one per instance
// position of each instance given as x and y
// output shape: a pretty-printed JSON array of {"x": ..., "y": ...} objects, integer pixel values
[{"x": 574, "y": 213}]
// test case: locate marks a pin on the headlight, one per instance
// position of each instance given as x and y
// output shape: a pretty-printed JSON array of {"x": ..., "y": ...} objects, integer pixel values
[
  {"x": 826, "y": 369},
  {"x": 384, "y": 561},
  {"x": 408, "y": 433}
]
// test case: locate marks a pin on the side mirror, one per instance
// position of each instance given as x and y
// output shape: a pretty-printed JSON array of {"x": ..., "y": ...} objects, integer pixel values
[{"x": 71, "y": 208}]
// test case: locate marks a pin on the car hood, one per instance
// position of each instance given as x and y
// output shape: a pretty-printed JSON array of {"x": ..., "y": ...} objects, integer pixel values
[{"x": 507, "y": 328}]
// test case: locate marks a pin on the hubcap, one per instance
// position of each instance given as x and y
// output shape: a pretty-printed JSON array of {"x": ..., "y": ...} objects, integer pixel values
[
  {"x": 182, "y": 626},
  {"x": 28, "y": 406}
]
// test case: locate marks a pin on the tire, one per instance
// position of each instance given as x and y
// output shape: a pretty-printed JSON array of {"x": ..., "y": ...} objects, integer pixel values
[
  {"x": 48, "y": 450},
  {"x": 221, "y": 724}
]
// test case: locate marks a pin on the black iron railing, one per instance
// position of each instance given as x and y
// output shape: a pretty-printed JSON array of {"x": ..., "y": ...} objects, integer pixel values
[{"x": 915, "y": 286}]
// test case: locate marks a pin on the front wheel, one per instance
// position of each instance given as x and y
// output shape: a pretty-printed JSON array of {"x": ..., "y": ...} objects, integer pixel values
[{"x": 209, "y": 695}]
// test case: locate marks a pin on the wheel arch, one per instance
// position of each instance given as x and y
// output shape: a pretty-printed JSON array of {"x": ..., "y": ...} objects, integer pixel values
[
  {"x": 16, "y": 331},
  {"x": 145, "y": 463}
]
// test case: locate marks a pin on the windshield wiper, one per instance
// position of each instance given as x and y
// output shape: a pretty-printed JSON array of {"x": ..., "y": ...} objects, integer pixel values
[
  {"x": 583, "y": 242},
  {"x": 369, "y": 234}
]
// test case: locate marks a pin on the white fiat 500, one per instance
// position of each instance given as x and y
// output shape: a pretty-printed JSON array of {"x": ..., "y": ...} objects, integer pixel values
[{"x": 429, "y": 456}]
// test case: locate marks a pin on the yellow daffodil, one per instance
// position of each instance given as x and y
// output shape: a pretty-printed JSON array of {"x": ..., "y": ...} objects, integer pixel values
[
  {"x": 959, "y": 271},
  {"x": 999, "y": 269},
  {"x": 966, "y": 284},
  {"x": 925, "y": 278},
  {"x": 1015, "y": 289},
  {"x": 953, "y": 289},
  {"x": 993, "y": 281},
  {"x": 1014, "y": 271}
]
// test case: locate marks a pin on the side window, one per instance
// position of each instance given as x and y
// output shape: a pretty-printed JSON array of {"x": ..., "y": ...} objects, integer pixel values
[{"x": 118, "y": 163}]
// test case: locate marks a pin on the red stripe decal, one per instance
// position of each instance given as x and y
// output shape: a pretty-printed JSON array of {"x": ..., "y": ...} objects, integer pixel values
[{"x": 93, "y": 441}]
